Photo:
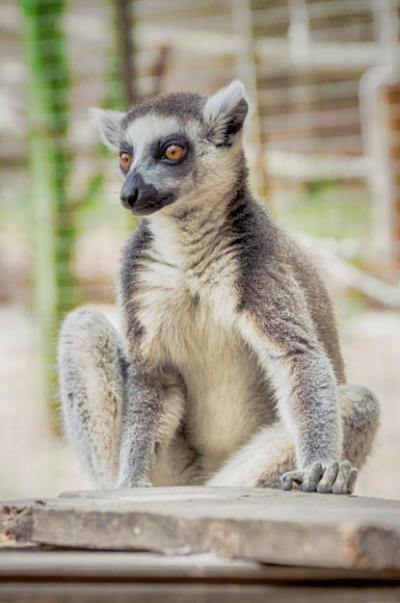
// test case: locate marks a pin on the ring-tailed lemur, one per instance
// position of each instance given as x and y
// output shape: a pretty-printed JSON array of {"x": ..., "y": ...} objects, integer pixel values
[{"x": 229, "y": 371}]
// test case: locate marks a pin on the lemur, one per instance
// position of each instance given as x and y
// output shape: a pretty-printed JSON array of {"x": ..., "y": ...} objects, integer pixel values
[{"x": 229, "y": 372}]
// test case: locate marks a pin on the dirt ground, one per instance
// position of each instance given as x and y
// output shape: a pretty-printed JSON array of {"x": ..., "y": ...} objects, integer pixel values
[{"x": 34, "y": 463}]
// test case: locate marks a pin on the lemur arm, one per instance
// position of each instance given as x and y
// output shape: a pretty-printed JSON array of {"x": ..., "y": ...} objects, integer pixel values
[
  {"x": 144, "y": 397},
  {"x": 153, "y": 411},
  {"x": 275, "y": 323},
  {"x": 143, "y": 406}
]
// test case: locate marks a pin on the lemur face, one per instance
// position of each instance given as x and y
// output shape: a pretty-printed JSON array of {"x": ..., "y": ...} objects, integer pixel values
[{"x": 175, "y": 148}]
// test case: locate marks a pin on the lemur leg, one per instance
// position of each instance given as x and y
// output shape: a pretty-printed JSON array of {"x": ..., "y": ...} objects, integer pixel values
[
  {"x": 249, "y": 467},
  {"x": 261, "y": 462},
  {"x": 92, "y": 388},
  {"x": 95, "y": 392}
]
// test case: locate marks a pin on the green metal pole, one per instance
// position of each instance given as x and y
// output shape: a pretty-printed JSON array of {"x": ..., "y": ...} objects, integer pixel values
[{"x": 52, "y": 218}]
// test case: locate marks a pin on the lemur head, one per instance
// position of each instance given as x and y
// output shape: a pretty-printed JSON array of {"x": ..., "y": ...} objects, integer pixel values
[{"x": 177, "y": 148}]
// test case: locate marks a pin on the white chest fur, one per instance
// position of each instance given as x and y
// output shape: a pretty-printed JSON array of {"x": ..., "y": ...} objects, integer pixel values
[{"x": 190, "y": 324}]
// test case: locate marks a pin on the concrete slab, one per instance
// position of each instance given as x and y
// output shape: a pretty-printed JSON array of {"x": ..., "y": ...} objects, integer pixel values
[{"x": 250, "y": 524}]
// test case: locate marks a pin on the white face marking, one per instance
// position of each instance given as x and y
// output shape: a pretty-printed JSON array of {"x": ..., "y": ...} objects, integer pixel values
[
  {"x": 144, "y": 134},
  {"x": 145, "y": 130}
]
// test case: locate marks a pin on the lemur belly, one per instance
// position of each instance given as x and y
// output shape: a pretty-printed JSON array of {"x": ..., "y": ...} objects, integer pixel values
[{"x": 227, "y": 394}]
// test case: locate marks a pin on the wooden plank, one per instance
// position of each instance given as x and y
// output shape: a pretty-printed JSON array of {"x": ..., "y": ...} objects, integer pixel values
[
  {"x": 56, "y": 592},
  {"x": 141, "y": 567},
  {"x": 253, "y": 524}
]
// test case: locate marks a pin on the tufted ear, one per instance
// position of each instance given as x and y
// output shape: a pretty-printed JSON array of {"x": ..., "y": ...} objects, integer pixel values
[
  {"x": 108, "y": 124},
  {"x": 225, "y": 112}
]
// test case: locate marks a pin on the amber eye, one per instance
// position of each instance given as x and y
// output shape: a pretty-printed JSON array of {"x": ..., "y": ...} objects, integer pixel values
[
  {"x": 125, "y": 161},
  {"x": 174, "y": 152}
]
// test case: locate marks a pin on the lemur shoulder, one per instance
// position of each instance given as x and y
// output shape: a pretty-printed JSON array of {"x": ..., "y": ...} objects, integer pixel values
[{"x": 229, "y": 370}]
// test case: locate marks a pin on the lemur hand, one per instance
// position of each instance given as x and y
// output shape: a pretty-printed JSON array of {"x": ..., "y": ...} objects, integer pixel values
[{"x": 338, "y": 478}]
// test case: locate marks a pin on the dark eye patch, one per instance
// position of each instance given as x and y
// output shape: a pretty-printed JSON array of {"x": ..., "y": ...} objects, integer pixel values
[
  {"x": 159, "y": 147},
  {"x": 125, "y": 147}
]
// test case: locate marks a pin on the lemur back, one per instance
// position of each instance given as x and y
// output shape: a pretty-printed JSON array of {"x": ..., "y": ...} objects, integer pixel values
[{"x": 232, "y": 370}]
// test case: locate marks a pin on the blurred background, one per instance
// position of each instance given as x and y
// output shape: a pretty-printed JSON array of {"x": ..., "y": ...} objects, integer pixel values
[{"x": 324, "y": 146}]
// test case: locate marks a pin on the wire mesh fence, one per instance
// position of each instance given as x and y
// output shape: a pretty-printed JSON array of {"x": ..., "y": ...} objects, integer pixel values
[{"x": 323, "y": 144}]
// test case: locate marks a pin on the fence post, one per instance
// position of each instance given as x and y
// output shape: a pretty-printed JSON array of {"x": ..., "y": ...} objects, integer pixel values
[
  {"x": 380, "y": 106},
  {"x": 391, "y": 98},
  {"x": 247, "y": 71},
  {"x": 124, "y": 22},
  {"x": 53, "y": 232}
]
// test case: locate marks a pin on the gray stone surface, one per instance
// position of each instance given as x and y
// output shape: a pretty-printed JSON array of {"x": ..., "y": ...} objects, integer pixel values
[{"x": 250, "y": 524}]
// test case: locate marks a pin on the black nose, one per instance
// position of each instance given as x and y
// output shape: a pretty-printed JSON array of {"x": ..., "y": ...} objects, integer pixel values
[{"x": 129, "y": 199}]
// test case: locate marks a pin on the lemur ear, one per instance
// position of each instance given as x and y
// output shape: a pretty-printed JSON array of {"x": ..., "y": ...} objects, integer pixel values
[
  {"x": 108, "y": 124},
  {"x": 225, "y": 112}
]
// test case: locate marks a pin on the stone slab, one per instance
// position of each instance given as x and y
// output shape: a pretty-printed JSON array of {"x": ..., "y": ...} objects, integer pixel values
[{"x": 264, "y": 525}]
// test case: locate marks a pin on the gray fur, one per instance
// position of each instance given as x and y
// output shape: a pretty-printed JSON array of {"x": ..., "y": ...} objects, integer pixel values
[
  {"x": 92, "y": 383},
  {"x": 110, "y": 126},
  {"x": 232, "y": 373}
]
